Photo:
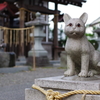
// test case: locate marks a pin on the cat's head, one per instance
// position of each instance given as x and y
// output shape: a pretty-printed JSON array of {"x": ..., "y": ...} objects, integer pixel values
[{"x": 75, "y": 27}]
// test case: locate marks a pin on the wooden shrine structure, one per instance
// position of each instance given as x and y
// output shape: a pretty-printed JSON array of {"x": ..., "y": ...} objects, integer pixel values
[{"x": 24, "y": 10}]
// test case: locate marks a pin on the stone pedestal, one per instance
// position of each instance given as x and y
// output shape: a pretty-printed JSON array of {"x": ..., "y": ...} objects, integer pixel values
[
  {"x": 63, "y": 59},
  {"x": 65, "y": 84},
  {"x": 37, "y": 50}
]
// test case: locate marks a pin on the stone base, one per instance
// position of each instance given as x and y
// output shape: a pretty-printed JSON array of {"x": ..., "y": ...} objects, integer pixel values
[
  {"x": 65, "y": 84},
  {"x": 63, "y": 58},
  {"x": 70, "y": 83},
  {"x": 7, "y": 59},
  {"x": 32, "y": 94},
  {"x": 38, "y": 53},
  {"x": 39, "y": 61}
]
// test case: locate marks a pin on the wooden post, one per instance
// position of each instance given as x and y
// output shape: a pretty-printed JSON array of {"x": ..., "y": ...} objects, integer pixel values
[
  {"x": 21, "y": 45},
  {"x": 55, "y": 34}
]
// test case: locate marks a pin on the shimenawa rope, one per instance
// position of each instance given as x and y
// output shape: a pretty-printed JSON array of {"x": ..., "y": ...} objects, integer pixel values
[{"x": 54, "y": 95}]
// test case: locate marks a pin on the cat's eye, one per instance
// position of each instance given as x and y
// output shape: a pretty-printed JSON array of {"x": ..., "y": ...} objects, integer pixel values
[
  {"x": 78, "y": 25},
  {"x": 70, "y": 24}
]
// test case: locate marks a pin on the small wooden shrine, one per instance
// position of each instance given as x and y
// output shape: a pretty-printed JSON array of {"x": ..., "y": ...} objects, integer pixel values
[{"x": 14, "y": 14}]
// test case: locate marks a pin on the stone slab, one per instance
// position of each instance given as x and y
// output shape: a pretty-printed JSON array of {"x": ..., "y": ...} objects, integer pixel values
[
  {"x": 69, "y": 83},
  {"x": 33, "y": 94},
  {"x": 65, "y": 84}
]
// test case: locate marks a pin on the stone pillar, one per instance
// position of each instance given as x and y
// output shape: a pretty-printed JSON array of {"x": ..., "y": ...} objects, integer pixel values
[{"x": 41, "y": 55}]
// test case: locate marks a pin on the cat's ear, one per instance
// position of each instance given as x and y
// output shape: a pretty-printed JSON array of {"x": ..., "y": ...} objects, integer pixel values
[
  {"x": 84, "y": 17},
  {"x": 66, "y": 17}
]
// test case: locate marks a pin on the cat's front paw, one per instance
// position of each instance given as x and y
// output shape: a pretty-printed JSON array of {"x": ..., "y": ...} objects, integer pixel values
[
  {"x": 69, "y": 73},
  {"x": 83, "y": 73}
]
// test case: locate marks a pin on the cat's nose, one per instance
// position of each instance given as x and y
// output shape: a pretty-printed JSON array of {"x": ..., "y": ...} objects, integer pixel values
[{"x": 74, "y": 27}]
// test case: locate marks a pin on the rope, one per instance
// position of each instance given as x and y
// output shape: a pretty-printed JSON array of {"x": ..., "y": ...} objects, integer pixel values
[
  {"x": 83, "y": 97},
  {"x": 6, "y": 28},
  {"x": 12, "y": 35},
  {"x": 53, "y": 95}
]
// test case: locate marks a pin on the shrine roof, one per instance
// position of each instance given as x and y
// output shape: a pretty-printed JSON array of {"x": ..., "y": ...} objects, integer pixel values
[{"x": 66, "y": 2}]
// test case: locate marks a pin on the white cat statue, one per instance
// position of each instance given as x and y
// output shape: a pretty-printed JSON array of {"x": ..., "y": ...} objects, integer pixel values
[{"x": 81, "y": 54}]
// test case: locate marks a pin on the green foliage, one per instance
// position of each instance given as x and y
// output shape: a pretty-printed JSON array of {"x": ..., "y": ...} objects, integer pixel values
[
  {"x": 91, "y": 38},
  {"x": 62, "y": 42},
  {"x": 90, "y": 35},
  {"x": 92, "y": 41}
]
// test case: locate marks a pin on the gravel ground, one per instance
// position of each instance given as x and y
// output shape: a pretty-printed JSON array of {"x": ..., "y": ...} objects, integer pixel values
[{"x": 12, "y": 85}]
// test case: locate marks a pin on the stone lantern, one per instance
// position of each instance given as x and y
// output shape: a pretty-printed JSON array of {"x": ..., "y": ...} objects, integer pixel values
[{"x": 41, "y": 55}]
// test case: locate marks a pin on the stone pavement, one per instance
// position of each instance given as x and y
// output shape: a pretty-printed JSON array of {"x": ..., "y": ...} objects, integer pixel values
[{"x": 13, "y": 81}]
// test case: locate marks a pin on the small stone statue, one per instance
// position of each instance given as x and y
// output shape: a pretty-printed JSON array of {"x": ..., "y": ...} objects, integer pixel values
[{"x": 81, "y": 55}]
